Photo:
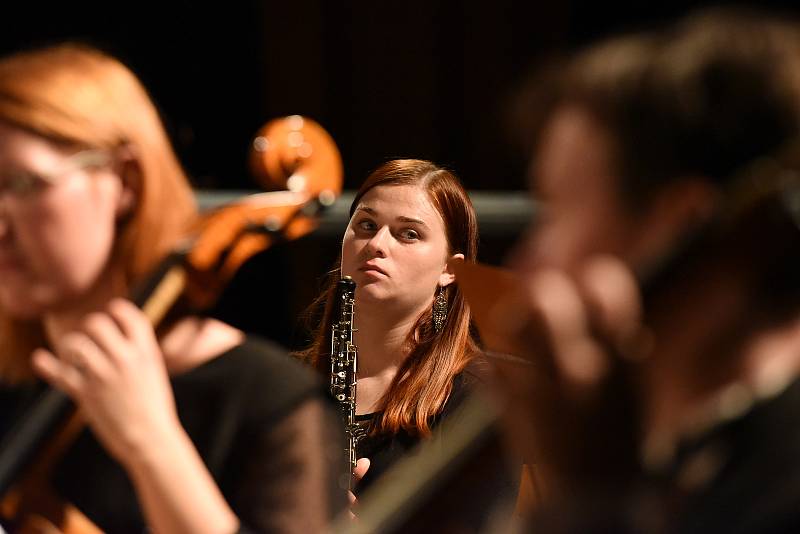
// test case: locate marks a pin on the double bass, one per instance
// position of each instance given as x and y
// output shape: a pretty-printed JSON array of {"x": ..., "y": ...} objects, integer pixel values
[{"x": 295, "y": 158}]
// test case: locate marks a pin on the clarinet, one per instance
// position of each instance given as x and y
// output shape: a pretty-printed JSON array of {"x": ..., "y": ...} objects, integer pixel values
[{"x": 344, "y": 365}]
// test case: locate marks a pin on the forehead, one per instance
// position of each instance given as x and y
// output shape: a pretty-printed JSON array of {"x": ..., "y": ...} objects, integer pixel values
[
  {"x": 21, "y": 148},
  {"x": 574, "y": 156},
  {"x": 400, "y": 201}
]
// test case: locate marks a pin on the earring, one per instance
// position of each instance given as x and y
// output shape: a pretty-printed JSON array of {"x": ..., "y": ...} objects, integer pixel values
[{"x": 439, "y": 310}]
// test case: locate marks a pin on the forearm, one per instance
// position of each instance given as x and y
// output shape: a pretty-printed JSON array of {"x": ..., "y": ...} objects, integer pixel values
[{"x": 175, "y": 489}]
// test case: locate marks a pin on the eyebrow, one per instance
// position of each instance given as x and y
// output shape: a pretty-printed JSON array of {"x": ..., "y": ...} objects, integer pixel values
[{"x": 401, "y": 218}]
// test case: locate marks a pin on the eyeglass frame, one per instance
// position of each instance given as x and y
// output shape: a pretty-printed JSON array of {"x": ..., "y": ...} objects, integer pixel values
[{"x": 24, "y": 184}]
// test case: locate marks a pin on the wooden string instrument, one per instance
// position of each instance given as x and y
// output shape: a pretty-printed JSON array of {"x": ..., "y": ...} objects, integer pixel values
[{"x": 294, "y": 155}]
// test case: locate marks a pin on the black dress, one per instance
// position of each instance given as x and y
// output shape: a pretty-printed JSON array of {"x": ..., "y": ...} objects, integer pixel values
[
  {"x": 261, "y": 423},
  {"x": 467, "y": 493},
  {"x": 383, "y": 450}
]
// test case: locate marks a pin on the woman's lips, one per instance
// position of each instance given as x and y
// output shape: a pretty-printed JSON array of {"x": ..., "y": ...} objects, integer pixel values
[{"x": 372, "y": 269}]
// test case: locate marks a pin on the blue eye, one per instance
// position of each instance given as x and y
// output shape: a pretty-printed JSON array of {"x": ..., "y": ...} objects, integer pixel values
[
  {"x": 366, "y": 225},
  {"x": 409, "y": 234}
]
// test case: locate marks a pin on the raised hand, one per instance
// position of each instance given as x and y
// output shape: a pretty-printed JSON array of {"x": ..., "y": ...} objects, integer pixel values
[
  {"x": 571, "y": 410},
  {"x": 114, "y": 371}
]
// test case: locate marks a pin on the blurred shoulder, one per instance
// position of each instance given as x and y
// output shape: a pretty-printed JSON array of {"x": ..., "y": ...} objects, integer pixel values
[
  {"x": 260, "y": 359},
  {"x": 264, "y": 377}
]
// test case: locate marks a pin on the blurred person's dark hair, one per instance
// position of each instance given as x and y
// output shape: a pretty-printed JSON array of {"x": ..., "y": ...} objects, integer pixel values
[{"x": 703, "y": 98}]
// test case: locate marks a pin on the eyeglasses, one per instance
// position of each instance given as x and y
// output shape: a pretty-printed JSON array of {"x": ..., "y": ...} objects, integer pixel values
[{"x": 23, "y": 184}]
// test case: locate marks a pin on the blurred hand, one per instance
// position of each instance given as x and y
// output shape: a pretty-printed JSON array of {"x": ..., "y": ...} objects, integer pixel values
[
  {"x": 114, "y": 370},
  {"x": 362, "y": 465},
  {"x": 571, "y": 410}
]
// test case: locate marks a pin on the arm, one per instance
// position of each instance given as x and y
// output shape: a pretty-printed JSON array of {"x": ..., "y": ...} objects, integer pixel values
[
  {"x": 176, "y": 491},
  {"x": 114, "y": 371}
]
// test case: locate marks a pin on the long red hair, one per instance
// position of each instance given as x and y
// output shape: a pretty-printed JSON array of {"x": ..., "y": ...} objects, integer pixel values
[
  {"x": 76, "y": 95},
  {"x": 424, "y": 381}
]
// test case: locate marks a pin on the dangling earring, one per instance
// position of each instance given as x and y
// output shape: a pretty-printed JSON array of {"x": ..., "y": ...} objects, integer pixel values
[{"x": 439, "y": 310}]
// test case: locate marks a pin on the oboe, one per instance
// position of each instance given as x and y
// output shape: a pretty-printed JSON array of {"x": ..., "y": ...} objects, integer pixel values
[{"x": 344, "y": 365}]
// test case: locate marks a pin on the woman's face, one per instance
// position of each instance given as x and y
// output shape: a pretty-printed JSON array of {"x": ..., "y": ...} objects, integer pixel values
[
  {"x": 58, "y": 213},
  {"x": 395, "y": 248}
]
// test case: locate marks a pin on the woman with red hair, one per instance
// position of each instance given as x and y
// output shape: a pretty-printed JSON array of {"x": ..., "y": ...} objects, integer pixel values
[
  {"x": 195, "y": 427},
  {"x": 415, "y": 348}
]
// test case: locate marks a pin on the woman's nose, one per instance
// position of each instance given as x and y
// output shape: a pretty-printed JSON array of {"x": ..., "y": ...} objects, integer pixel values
[{"x": 377, "y": 244}]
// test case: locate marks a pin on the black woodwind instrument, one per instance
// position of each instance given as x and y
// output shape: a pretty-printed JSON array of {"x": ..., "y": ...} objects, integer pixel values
[{"x": 344, "y": 366}]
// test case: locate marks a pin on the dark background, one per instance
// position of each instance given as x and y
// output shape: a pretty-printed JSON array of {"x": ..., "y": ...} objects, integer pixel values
[
  {"x": 429, "y": 79},
  {"x": 415, "y": 78}
]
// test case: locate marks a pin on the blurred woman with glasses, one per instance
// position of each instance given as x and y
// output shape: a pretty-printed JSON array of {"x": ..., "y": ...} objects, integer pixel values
[{"x": 195, "y": 427}]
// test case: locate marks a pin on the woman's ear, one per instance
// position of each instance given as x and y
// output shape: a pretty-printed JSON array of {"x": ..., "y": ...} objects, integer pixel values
[
  {"x": 448, "y": 276},
  {"x": 131, "y": 176}
]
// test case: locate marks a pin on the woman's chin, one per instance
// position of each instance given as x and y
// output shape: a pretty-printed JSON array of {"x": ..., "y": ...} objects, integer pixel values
[
  {"x": 26, "y": 304},
  {"x": 371, "y": 294},
  {"x": 21, "y": 311}
]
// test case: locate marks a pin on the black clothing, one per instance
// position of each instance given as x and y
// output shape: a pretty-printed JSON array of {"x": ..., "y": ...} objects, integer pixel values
[
  {"x": 740, "y": 476},
  {"x": 383, "y": 450},
  {"x": 457, "y": 486},
  {"x": 247, "y": 412},
  {"x": 753, "y": 473}
]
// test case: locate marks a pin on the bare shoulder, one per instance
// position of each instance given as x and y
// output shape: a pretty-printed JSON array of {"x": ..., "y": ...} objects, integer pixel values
[{"x": 193, "y": 340}]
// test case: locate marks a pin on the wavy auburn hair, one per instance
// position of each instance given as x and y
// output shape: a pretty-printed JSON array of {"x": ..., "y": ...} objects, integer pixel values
[{"x": 424, "y": 381}]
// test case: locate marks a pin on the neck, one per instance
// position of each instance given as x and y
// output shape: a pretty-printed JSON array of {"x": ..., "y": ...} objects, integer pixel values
[
  {"x": 188, "y": 343},
  {"x": 69, "y": 316},
  {"x": 381, "y": 340}
]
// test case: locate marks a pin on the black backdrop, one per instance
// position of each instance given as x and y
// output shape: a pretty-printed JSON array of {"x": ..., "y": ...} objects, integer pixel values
[
  {"x": 423, "y": 78},
  {"x": 411, "y": 78}
]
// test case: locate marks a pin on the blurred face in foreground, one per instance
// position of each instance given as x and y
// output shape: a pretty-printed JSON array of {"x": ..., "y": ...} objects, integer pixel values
[
  {"x": 580, "y": 210},
  {"x": 58, "y": 215}
]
